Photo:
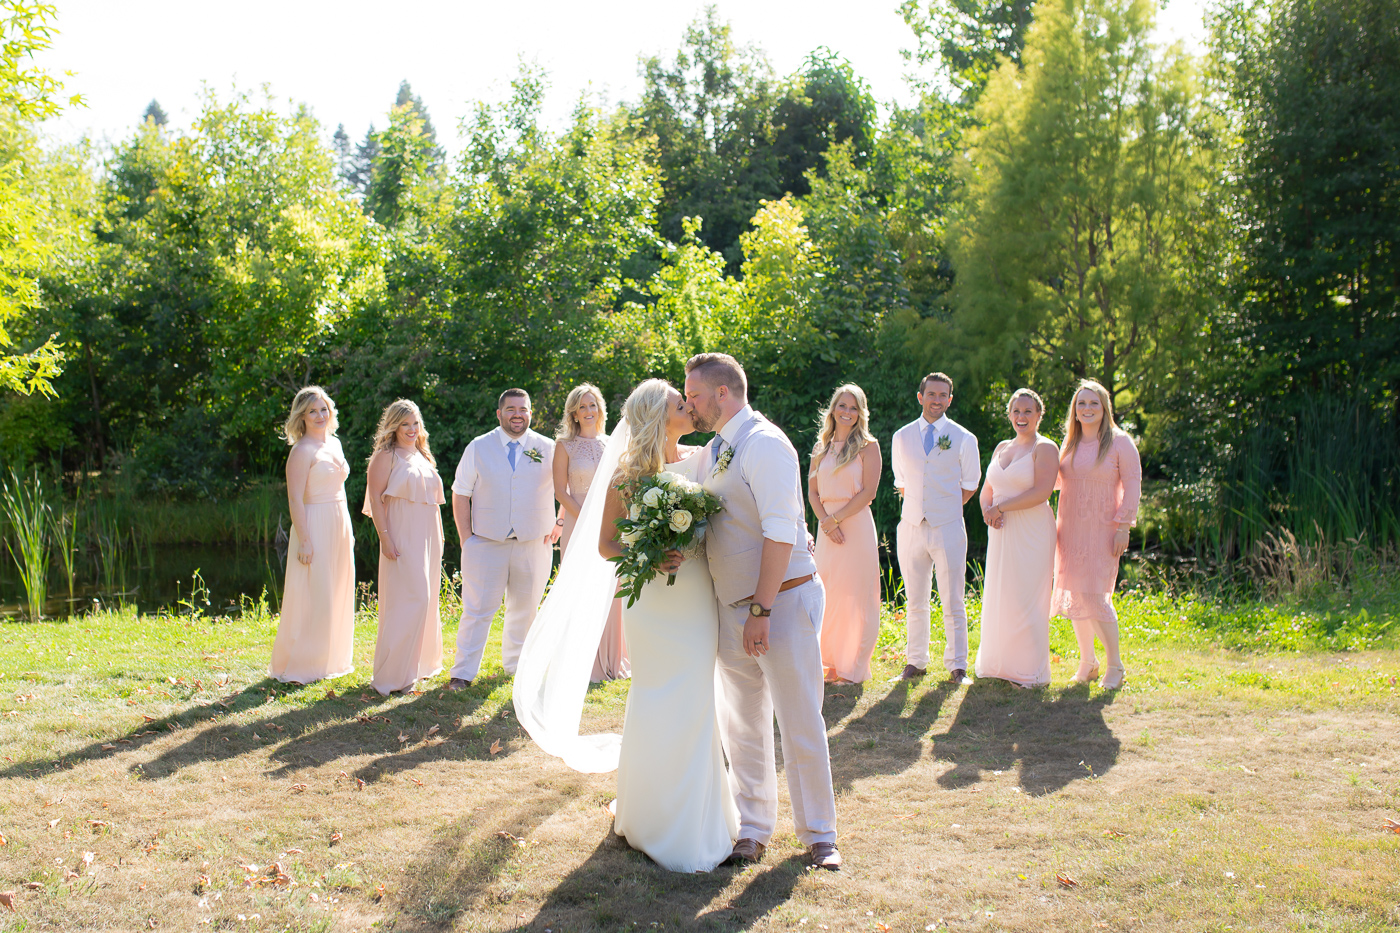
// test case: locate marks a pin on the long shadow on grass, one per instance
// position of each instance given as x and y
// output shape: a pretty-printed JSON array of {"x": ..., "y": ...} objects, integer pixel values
[
  {"x": 344, "y": 726},
  {"x": 888, "y": 737},
  {"x": 617, "y": 885},
  {"x": 1054, "y": 739},
  {"x": 250, "y": 697}
]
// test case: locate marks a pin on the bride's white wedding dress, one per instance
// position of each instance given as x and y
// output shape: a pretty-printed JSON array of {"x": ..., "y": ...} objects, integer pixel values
[{"x": 673, "y": 797}]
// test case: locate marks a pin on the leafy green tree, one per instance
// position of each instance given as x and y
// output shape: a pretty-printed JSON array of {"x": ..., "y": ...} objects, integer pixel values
[
  {"x": 406, "y": 98},
  {"x": 966, "y": 40},
  {"x": 1316, "y": 89},
  {"x": 28, "y": 94},
  {"x": 407, "y": 157},
  {"x": 155, "y": 113},
  {"x": 1083, "y": 197},
  {"x": 825, "y": 104}
]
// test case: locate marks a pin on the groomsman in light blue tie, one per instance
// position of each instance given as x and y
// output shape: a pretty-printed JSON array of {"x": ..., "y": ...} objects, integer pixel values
[
  {"x": 936, "y": 470},
  {"x": 503, "y": 504}
]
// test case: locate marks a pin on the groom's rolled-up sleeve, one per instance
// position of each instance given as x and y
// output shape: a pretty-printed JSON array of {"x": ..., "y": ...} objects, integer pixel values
[
  {"x": 770, "y": 467},
  {"x": 970, "y": 462},
  {"x": 897, "y": 459},
  {"x": 465, "y": 481}
]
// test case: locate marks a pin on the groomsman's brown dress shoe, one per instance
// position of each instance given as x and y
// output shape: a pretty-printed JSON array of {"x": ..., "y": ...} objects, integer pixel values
[
  {"x": 745, "y": 850},
  {"x": 959, "y": 678},
  {"x": 457, "y": 683},
  {"x": 824, "y": 855},
  {"x": 912, "y": 673}
]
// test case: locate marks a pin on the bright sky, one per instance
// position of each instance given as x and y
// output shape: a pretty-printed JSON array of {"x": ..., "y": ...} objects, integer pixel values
[{"x": 346, "y": 58}]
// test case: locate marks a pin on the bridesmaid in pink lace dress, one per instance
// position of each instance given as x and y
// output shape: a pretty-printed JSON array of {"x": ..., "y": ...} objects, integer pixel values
[
  {"x": 1015, "y": 642},
  {"x": 1100, "y": 486},
  {"x": 404, "y": 497},
  {"x": 579, "y": 448},
  {"x": 844, "y": 476},
  {"x": 316, "y": 631}
]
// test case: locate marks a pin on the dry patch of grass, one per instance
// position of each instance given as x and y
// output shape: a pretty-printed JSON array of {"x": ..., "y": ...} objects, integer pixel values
[{"x": 1217, "y": 791}]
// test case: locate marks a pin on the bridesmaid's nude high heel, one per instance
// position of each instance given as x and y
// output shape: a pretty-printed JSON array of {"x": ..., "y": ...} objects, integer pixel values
[
  {"x": 1088, "y": 678},
  {"x": 1114, "y": 678}
]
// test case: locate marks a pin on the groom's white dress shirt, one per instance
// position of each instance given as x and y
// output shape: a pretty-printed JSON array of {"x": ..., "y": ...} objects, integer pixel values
[
  {"x": 934, "y": 463},
  {"x": 507, "y": 555},
  {"x": 762, "y": 491}
]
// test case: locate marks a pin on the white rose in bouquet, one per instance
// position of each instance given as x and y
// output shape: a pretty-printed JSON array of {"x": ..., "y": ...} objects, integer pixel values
[
  {"x": 667, "y": 478},
  {"x": 654, "y": 496},
  {"x": 680, "y": 520},
  {"x": 634, "y": 511},
  {"x": 630, "y": 538}
]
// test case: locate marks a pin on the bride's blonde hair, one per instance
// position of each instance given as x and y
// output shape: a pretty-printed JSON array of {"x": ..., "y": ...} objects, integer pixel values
[{"x": 646, "y": 410}]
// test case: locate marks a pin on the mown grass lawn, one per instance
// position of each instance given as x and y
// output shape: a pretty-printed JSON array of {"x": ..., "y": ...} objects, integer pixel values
[{"x": 153, "y": 778}]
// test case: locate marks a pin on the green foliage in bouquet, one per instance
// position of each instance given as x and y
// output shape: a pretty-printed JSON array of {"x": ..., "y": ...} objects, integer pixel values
[{"x": 665, "y": 512}]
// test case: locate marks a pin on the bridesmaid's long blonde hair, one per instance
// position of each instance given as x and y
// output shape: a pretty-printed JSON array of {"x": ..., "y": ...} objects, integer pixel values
[
  {"x": 295, "y": 428},
  {"x": 396, "y": 414},
  {"x": 646, "y": 410},
  {"x": 568, "y": 425},
  {"x": 860, "y": 434},
  {"x": 1074, "y": 433}
]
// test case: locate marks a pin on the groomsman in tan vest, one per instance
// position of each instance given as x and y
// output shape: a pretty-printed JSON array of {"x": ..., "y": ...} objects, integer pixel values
[
  {"x": 771, "y": 602},
  {"x": 936, "y": 470},
  {"x": 503, "y": 504}
]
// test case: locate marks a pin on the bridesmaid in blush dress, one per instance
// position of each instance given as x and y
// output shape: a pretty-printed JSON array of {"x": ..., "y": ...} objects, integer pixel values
[
  {"x": 579, "y": 448},
  {"x": 404, "y": 498},
  {"x": 1015, "y": 641},
  {"x": 1100, "y": 486},
  {"x": 316, "y": 631},
  {"x": 844, "y": 476}
]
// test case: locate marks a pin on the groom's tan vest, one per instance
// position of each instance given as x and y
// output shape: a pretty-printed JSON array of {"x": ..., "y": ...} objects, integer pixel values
[
  {"x": 519, "y": 501},
  {"x": 933, "y": 481},
  {"x": 734, "y": 537}
]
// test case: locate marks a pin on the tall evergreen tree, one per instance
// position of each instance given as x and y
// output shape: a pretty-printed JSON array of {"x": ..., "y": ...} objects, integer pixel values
[{"x": 154, "y": 113}]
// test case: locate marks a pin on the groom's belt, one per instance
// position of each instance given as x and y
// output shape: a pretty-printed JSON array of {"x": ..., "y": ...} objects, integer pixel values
[{"x": 794, "y": 582}]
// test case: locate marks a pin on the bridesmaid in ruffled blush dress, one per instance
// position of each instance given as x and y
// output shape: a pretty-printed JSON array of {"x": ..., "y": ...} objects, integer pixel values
[
  {"x": 1015, "y": 642},
  {"x": 580, "y": 441},
  {"x": 316, "y": 631},
  {"x": 845, "y": 474},
  {"x": 404, "y": 497},
  {"x": 1100, "y": 486}
]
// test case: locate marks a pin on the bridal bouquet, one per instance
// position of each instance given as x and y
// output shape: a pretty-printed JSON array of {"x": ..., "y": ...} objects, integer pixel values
[{"x": 667, "y": 512}]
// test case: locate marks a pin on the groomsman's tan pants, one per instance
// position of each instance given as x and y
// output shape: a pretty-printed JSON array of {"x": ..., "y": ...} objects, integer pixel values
[
  {"x": 926, "y": 552},
  {"x": 787, "y": 681},
  {"x": 513, "y": 569}
]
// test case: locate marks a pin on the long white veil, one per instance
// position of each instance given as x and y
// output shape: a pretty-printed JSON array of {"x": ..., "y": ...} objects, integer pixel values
[{"x": 551, "y": 678}]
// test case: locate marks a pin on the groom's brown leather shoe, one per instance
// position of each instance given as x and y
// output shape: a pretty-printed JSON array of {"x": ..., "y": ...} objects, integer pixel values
[
  {"x": 959, "y": 678},
  {"x": 824, "y": 855},
  {"x": 745, "y": 850},
  {"x": 912, "y": 673},
  {"x": 457, "y": 683}
]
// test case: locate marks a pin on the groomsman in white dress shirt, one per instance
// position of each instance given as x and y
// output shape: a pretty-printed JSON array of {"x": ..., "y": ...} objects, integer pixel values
[
  {"x": 503, "y": 504},
  {"x": 936, "y": 470}
]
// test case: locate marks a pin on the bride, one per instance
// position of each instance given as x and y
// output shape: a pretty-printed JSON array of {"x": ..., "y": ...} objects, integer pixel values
[{"x": 673, "y": 796}]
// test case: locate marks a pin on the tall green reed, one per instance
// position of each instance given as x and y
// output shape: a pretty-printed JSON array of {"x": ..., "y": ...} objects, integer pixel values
[
  {"x": 30, "y": 520},
  {"x": 66, "y": 534}
]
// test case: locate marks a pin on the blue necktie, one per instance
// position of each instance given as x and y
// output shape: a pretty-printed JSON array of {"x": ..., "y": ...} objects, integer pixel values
[
  {"x": 513, "y": 446},
  {"x": 714, "y": 448},
  {"x": 928, "y": 439}
]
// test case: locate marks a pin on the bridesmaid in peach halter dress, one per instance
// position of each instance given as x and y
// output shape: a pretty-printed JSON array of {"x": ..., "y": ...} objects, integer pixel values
[
  {"x": 1100, "y": 486},
  {"x": 845, "y": 474},
  {"x": 316, "y": 631},
  {"x": 579, "y": 448},
  {"x": 1015, "y": 641},
  {"x": 404, "y": 497}
]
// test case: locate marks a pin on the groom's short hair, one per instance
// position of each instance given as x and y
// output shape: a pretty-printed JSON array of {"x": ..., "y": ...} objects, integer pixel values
[
  {"x": 719, "y": 369},
  {"x": 512, "y": 393}
]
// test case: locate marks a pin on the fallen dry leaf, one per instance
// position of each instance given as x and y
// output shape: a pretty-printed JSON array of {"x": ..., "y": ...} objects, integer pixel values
[
  {"x": 1392, "y": 825},
  {"x": 298, "y": 788},
  {"x": 69, "y": 874},
  {"x": 416, "y": 781},
  {"x": 7, "y": 899},
  {"x": 344, "y": 775},
  {"x": 379, "y": 891},
  {"x": 402, "y": 737},
  {"x": 882, "y": 927},
  {"x": 53, "y": 823},
  {"x": 1246, "y": 770},
  {"x": 434, "y": 729},
  {"x": 201, "y": 883},
  {"x": 359, "y": 783},
  {"x": 496, "y": 747},
  {"x": 53, "y": 802},
  {"x": 98, "y": 824},
  {"x": 148, "y": 718},
  {"x": 108, "y": 748},
  {"x": 34, "y": 885},
  {"x": 336, "y": 837},
  {"x": 1065, "y": 880},
  {"x": 3, "y": 840},
  {"x": 1114, "y": 833}
]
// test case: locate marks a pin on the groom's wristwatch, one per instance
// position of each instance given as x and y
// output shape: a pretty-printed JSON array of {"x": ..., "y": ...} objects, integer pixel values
[{"x": 758, "y": 612}]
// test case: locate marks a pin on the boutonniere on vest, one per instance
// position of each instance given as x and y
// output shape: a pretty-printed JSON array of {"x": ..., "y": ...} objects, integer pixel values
[
  {"x": 724, "y": 460},
  {"x": 534, "y": 454},
  {"x": 944, "y": 442}
]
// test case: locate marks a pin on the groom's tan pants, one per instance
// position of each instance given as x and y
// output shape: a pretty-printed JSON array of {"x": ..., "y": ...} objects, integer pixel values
[
  {"x": 517, "y": 571},
  {"x": 787, "y": 681}
]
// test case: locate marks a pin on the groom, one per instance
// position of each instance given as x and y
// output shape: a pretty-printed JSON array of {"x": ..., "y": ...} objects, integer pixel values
[
  {"x": 503, "y": 504},
  {"x": 936, "y": 470},
  {"x": 770, "y": 612}
]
